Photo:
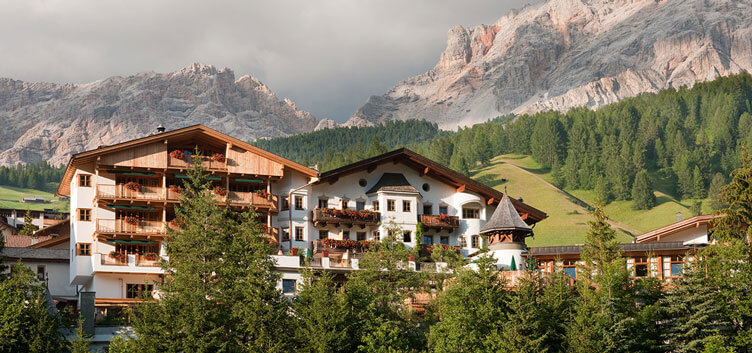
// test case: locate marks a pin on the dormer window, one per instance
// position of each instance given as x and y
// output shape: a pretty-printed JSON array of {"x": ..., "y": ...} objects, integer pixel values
[{"x": 470, "y": 213}]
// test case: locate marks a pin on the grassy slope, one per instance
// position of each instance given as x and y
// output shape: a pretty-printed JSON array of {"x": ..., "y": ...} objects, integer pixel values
[
  {"x": 567, "y": 222},
  {"x": 10, "y": 197}
]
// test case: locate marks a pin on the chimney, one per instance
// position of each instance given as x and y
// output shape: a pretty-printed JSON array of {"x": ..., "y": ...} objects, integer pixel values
[
  {"x": 160, "y": 129},
  {"x": 678, "y": 217}
]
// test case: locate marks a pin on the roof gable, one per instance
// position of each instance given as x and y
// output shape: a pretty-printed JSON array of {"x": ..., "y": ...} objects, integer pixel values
[
  {"x": 505, "y": 218},
  {"x": 392, "y": 182}
]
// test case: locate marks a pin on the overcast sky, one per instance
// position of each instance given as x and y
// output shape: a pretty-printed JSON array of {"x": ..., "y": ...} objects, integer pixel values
[{"x": 328, "y": 56}]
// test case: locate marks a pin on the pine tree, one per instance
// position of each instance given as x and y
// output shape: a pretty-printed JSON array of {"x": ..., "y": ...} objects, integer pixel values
[
  {"x": 81, "y": 343},
  {"x": 698, "y": 184},
  {"x": 642, "y": 192},
  {"x": 523, "y": 329},
  {"x": 28, "y": 228},
  {"x": 321, "y": 315},
  {"x": 219, "y": 292},
  {"x": 714, "y": 192},
  {"x": 693, "y": 312},
  {"x": 602, "y": 191}
]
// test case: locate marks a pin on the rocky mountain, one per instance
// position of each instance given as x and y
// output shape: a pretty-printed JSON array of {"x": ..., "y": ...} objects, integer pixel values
[
  {"x": 44, "y": 121},
  {"x": 566, "y": 53}
]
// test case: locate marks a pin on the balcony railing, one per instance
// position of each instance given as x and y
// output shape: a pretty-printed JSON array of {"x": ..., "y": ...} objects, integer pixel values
[
  {"x": 206, "y": 162},
  {"x": 119, "y": 191},
  {"x": 439, "y": 221},
  {"x": 113, "y": 261},
  {"x": 116, "y": 226},
  {"x": 146, "y": 261},
  {"x": 328, "y": 215},
  {"x": 253, "y": 198},
  {"x": 339, "y": 263}
]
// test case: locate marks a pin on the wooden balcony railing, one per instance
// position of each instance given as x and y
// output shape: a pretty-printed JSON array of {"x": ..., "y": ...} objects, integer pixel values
[
  {"x": 322, "y": 216},
  {"x": 145, "y": 261},
  {"x": 253, "y": 198},
  {"x": 119, "y": 191},
  {"x": 340, "y": 263},
  {"x": 119, "y": 226},
  {"x": 439, "y": 221},
  {"x": 107, "y": 260},
  {"x": 206, "y": 161}
]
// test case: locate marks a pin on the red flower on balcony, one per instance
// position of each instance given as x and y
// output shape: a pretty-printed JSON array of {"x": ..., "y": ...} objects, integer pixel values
[
  {"x": 132, "y": 220},
  {"x": 443, "y": 217},
  {"x": 218, "y": 157},
  {"x": 177, "y": 154},
  {"x": 176, "y": 223},
  {"x": 150, "y": 256},
  {"x": 262, "y": 194},
  {"x": 220, "y": 191},
  {"x": 133, "y": 186},
  {"x": 176, "y": 189},
  {"x": 119, "y": 257}
]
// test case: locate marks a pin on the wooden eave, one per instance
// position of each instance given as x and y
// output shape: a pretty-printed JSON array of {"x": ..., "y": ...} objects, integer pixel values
[
  {"x": 52, "y": 242},
  {"x": 435, "y": 170},
  {"x": 656, "y": 235},
  {"x": 90, "y": 156}
]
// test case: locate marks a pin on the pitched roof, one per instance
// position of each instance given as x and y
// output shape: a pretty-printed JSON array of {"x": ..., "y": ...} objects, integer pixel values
[
  {"x": 392, "y": 182},
  {"x": 23, "y": 241},
  {"x": 89, "y": 156},
  {"x": 15, "y": 253},
  {"x": 693, "y": 222},
  {"x": 625, "y": 247},
  {"x": 435, "y": 170},
  {"x": 506, "y": 218}
]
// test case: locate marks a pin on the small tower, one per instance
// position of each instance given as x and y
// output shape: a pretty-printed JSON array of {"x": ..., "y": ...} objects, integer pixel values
[{"x": 506, "y": 233}]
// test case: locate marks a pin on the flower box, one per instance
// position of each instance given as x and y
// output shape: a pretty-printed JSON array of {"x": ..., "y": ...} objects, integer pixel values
[
  {"x": 133, "y": 186},
  {"x": 262, "y": 194},
  {"x": 218, "y": 157},
  {"x": 294, "y": 251},
  {"x": 177, "y": 154},
  {"x": 119, "y": 257},
  {"x": 220, "y": 191},
  {"x": 132, "y": 220},
  {"x": 176, "y": 189}
]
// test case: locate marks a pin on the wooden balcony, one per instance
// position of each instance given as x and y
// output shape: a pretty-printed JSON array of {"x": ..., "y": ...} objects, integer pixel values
[
  {"x": 120, "y": 192},
  {"x": 324, "y": 216},
  {"x": 271, "y": 233},
  {"x": 119, "y": 226},
  {"x": 107, "y": 260},
  {"x": 440, "y": 222},
  {"x": 243, "y": 198},
  {"x": 206, "y": 161}
]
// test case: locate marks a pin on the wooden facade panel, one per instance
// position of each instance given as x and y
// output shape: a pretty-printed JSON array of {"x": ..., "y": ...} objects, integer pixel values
[
  {"x": 153, "y": 155},
  {"x": 246, "y": 162}
]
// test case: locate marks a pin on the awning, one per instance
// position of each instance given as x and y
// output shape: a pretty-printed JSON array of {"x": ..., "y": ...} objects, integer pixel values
[
  {"x": 241, "y": 180},
  {"x": 126, "y": 207},
  {"x": 126, "y": 172},
  {"x": 119, "y": 241},
  {"x": 183, "y": 176}
]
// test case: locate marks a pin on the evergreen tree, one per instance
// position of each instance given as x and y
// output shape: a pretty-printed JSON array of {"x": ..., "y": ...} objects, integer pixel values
[
  {"x": 28, "y": 228},
  {"x": 642, "y": 192},
  {"x": 602, "y": 191},
  {"x": 548, "y": 141},
  {"x": 219, "y": 291},
  {"x": 26, "y": 324},
  {"x": 472, "y": 309},
  {"x": 482, "y": 147},
  {"x": 698, "y": 184},
  {"x": 693, "y": 312},
  {"x": 714, "y": 192},
  {"x": 81, "y": 343},
  {"x": 523, "y": 329},
  {"x": 322, "y": 316}
]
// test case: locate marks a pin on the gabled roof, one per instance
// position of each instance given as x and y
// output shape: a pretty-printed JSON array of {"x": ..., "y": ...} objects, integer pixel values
[
  {"x": 393, "y": 182},
  {"x": 625, "y": 248},
  {"x": 435, "y": 170},
  {"x": 62, "y": 229},
  {"x": 23, "y": 241},
  {"x": 505, "y": 218},
  {"x": 55, "y": 255},
  {"x": 89, "y": 156},
  {"x": 670, "y": 229}
]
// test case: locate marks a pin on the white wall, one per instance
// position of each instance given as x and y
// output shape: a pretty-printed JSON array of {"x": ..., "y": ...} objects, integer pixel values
[
  {"x": 114, "y": 285},
  {"x": 57, "y": 277},
  {"x": 694, "y": 235}
]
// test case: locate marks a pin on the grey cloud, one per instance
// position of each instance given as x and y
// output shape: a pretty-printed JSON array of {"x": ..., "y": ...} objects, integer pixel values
[{"x": 328, "y": 56}]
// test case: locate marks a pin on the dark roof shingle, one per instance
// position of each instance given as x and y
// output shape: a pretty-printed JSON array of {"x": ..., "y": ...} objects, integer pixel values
[
  {"x": 505, "y": 218},
  {"x": 392, "y": 182}
]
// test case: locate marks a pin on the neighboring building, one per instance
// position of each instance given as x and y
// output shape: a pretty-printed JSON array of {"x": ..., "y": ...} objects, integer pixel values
[
  {"x": 15, "y": 217},
  {"x": 51, "y": 267},
  {"x": 6, "y": 229},
  {"x": 660, "y": 253},
  {"x": 123, "y": 197}
]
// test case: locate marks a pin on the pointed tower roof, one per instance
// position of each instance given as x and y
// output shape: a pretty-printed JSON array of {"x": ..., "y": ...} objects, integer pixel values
[{"x": 505, "y": 218}]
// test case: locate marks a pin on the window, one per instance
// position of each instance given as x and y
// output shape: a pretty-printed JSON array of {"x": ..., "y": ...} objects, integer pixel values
[
  {"x": 407, "y": 237},
  {"x": 285, "y": 234},
  {"x": 136, "y": 291},
  {"x": 345, "y": 234},
  {"x": 375, "y": 205},
  {"x": 323, "y": 234},
  {"x": 83, "y": 249},
  {"x": 40, "y": 272},
  {"x": 444, "y": 240},
  {"x": 641, "y": 266},
  {"x": 360, "y": 205},
  {"x": 391, "y": 205},
  {"x": 376, "y": 235},
  {"x": 463, "y": 241},
  {"x": 428, "y": 239},
  {"x": 360, "y": 236},
  {"x": 285, "y": 203},
  {"x": 84, "y": 180},
  {"x": 84, "y": 214},
  {"x": 299, "y": 202},
  {"x": 298, "y": 233},
  {"x": 675, "y": 266},
  {"x": 443, "y": 210},
  {"x": 570, "y": 268},
  {"x": 362, "y": 182},
  {"x": 468, "y": 212},
  {"x": 323, "y": 203},
  {"x": 343, "y": 204},
  {"x": 288, "y": 286},
  {"x": 427, "y": 209},
  {"x": 541, "y": 266},
  {"x": 474, "y": 241},
  {"x": 406, "y": 206},
  {"x": 426, "y": 187}
]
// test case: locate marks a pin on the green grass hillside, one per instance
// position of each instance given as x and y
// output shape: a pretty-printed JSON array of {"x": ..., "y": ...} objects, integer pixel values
[
  {"x": 11, "y": 197},
  {"x": 567, "y": 209}
]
